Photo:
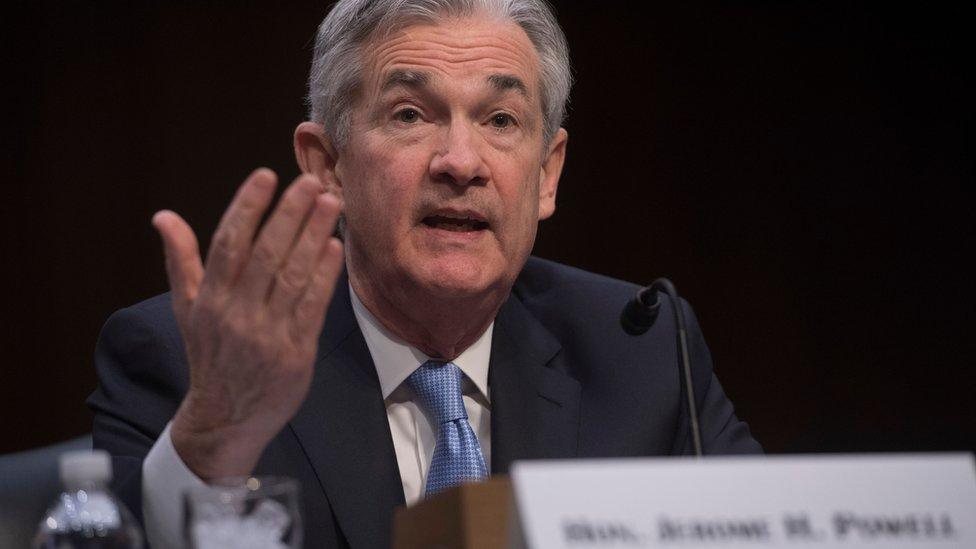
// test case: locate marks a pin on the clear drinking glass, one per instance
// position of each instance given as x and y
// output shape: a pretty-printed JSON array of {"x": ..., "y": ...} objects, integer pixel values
[{"x": 243, "y": 513}]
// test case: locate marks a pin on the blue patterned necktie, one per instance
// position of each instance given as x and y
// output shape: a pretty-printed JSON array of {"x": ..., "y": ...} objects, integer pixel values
[{"x": 457, "y": 454}]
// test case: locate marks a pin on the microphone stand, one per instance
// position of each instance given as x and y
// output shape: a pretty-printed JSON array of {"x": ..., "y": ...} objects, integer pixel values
[{"x": 638, "y": 316}]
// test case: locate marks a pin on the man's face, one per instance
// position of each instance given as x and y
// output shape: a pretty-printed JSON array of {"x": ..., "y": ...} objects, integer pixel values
[{"x": 444, "y": 176}]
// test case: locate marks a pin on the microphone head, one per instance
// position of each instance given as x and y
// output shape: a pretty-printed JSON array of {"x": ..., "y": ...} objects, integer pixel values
[{"x": 638, "y": 316}]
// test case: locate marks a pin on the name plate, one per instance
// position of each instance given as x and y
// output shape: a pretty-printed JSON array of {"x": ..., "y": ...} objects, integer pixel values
[{"x": 877, "y": 501}]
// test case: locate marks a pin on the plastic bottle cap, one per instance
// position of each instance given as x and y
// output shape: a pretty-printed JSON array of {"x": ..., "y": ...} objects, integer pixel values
[{"x": 82, "y": 466}]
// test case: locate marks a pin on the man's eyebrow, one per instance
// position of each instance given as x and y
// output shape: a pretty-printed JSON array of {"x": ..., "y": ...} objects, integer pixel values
[
  {"x": 406, "y": 78},
  {"x": 505, "y": 82}
]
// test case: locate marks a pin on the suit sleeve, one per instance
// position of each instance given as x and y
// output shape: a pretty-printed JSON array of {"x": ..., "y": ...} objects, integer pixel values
[
  {"x": 721, "y": 431},
  {"x": 140, "y": 363}
]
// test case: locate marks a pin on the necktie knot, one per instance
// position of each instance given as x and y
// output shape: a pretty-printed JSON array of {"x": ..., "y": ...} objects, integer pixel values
[{"x": 438, "y": 388}]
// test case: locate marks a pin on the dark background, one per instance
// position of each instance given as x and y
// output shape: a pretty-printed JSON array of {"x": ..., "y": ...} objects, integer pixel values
[{"x": 800, "y": 170}]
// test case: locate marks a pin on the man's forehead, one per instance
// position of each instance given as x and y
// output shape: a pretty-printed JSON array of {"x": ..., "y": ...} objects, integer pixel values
[
  {"x": 418, "y": 79},
  {"x": 497, "y": 52}
]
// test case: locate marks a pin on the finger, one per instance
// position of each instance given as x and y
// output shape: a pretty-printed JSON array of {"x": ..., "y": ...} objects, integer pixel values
[
  {"x": 276, "y": 239},
  {"x": 231, "y": 242},
  {"x": 183, "y": 266},
  {"x": 292, "y": 278},
  {"x": 310, "y": 308}
]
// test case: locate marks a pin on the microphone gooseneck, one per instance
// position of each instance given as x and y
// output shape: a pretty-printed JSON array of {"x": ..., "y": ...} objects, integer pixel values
[{"x": 639, "y": 315}]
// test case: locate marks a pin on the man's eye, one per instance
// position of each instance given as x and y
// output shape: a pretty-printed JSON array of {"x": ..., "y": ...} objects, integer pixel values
[
  {"x": 408, "y": 115},
  {"x": 502, "y": 120}
]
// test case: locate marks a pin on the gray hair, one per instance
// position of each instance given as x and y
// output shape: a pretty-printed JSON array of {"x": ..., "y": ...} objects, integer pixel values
[{"x": 337, "y": 66}]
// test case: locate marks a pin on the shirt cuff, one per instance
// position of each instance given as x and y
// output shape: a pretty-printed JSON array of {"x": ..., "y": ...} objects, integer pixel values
[{"x": 165, "y": 478}]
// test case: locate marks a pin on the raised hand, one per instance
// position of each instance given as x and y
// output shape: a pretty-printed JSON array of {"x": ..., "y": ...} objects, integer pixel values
[{"x": 250, "y": 318}]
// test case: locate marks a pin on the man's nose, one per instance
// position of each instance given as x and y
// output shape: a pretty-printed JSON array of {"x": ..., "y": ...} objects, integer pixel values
[{"x": 457, "y": 159}]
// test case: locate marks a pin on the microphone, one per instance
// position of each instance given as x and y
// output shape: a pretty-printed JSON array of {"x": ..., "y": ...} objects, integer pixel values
[{"x": 639, "y": 315}]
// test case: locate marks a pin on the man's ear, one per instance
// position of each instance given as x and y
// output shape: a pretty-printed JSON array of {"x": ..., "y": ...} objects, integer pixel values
[
  {"x": 317, "y": 155},
  {"x": 552, "y": 167}
]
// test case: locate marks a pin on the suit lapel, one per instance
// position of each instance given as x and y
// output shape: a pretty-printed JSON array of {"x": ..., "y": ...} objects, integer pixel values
[
  {"x": 534, "y": 404},
  {"x": 344, "y": 431}
]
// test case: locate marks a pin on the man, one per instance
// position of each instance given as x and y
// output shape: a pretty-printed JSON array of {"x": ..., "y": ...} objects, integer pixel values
[{"x": 435, "y": 129}]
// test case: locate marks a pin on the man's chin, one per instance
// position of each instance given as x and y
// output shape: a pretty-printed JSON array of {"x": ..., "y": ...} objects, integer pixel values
[
  {"x": 456, "y": 288},
  {"x": 459, "y": 280}
]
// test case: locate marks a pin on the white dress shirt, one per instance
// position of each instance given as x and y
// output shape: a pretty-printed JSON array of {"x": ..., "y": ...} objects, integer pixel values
[{"x": 165, "y": 477}]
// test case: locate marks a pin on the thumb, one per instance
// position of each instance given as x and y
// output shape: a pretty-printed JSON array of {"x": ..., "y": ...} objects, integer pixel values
[{"x": 183, "y": 265}]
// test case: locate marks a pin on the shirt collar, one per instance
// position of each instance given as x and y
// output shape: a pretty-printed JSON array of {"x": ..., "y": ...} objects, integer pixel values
[{"x": 395, "y": 360}]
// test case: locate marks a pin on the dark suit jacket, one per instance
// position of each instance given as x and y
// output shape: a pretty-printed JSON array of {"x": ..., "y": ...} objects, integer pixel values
[{"x": 564, "y": 380}]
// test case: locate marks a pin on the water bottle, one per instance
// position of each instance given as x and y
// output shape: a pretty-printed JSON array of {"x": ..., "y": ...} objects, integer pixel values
[{"x": 87, "y": 515}]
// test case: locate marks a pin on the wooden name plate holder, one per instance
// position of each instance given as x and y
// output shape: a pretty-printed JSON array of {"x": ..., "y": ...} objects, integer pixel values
[{"x": 472, "y": 516}]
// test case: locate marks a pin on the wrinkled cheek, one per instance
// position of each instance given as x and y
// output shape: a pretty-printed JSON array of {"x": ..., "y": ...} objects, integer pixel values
[
  {"x": 530, "y": 220},
  {"x": 528, "y": 240}
]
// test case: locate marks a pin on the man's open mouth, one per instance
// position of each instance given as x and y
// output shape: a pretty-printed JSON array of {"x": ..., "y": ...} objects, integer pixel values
[{"x": 455, "y": 224}]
